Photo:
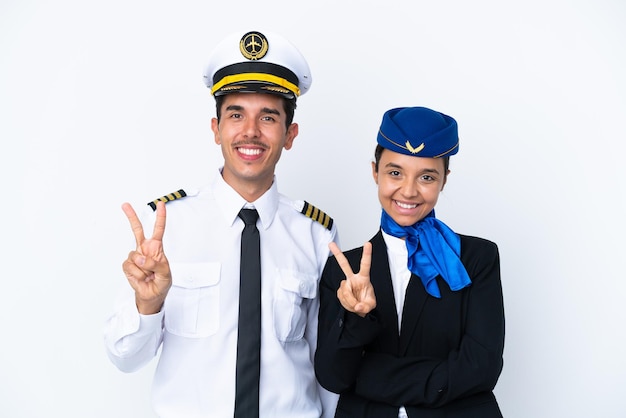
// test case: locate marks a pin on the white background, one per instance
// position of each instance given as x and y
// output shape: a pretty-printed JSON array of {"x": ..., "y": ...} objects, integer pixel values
[{"x": 103, "y": 102}]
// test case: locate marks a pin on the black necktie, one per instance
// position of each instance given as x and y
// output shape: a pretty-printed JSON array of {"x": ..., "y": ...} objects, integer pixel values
[{"x": 249, "y": 336}]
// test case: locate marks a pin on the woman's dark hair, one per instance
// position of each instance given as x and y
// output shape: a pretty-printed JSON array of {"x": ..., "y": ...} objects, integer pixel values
[
  {"x": 379, "y": 151},
  {"x": 289, "y": 105}
]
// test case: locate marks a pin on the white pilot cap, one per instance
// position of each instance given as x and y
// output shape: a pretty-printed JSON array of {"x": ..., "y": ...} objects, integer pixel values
[{"x": 258, "y": 62}]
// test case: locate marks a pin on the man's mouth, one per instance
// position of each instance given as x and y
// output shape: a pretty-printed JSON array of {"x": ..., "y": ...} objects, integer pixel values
[{"x": 250, "y": 151}]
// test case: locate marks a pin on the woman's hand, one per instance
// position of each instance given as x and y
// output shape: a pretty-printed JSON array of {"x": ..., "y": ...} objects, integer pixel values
[{"x": 356, "y": 293}]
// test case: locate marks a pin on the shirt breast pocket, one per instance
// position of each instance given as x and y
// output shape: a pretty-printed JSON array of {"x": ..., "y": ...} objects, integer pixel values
[
  {"x": 192, "y": 304},
  {"x": 291, "y": 300}
]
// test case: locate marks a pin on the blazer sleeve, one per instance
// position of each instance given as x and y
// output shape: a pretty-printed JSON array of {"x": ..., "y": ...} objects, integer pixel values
[
  {"x": 341, "y": 334},
  {"x": 473, "y": 367}
]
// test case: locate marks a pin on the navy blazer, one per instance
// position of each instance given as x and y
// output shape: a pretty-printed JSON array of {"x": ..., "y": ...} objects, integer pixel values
[{"x": 444, "y": 363}]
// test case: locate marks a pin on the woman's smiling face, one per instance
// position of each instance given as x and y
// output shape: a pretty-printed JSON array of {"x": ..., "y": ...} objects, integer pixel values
[{"x": 408, "y": 187}]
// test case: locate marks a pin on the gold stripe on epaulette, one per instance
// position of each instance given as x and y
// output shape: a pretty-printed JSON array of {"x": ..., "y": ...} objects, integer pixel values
[
  {"x": 168, "y": 198},
  {"x": 314, "y": 213}
]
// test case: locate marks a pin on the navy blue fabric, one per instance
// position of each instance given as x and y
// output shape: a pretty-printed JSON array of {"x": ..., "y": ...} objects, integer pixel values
[{"x": 419, "y": 131}]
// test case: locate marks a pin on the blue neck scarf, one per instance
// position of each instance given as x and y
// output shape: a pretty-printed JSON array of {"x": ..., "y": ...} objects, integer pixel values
[{"x": 434, "y": 249}]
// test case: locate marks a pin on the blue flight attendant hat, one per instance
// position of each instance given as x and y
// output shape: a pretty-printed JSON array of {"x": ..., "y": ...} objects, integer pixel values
[
  {"x": 257, "y": 62},
  {"x": 419, "y": 131}
]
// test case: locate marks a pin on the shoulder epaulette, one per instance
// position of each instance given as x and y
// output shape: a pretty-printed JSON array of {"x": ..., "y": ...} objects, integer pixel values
[
  {"x": 168, "y": 198},
  {"x": 314, "y": 213}
]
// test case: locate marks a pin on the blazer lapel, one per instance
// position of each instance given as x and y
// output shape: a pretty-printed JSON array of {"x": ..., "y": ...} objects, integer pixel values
[
  {"x": 381, "y": 280},
  {"x": 414, "y": 303}
]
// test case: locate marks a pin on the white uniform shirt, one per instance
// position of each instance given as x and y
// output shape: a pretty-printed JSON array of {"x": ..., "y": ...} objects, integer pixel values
[
  {"x": 400, "y": 276},
  {"x": 197, "y": 328}
]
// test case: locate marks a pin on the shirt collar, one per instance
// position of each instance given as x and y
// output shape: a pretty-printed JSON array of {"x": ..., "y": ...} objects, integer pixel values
[
  {"x": 230, "y": 202},
  {"x": 395, "y": 245}
]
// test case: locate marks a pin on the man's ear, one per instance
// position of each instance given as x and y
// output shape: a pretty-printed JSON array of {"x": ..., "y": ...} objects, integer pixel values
[
  {"x": 374, "y": 172},
  {"x": 215, "y": 127},
  {"x": 292, "y": 133}
]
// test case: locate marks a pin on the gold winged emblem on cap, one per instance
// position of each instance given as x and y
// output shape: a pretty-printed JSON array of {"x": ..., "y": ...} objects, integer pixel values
[
  {"x": 253, "y": 45},
  {"x": 414, "y": 150}
]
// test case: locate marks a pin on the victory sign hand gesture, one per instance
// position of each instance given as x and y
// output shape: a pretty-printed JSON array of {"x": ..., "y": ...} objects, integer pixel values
[
  {"x": 356, "y": 293},
  {"x": 147, "y": 268}
]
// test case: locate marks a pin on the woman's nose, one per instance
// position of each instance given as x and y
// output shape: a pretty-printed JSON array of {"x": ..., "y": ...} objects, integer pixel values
[{"x": 409, "y": 189}]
